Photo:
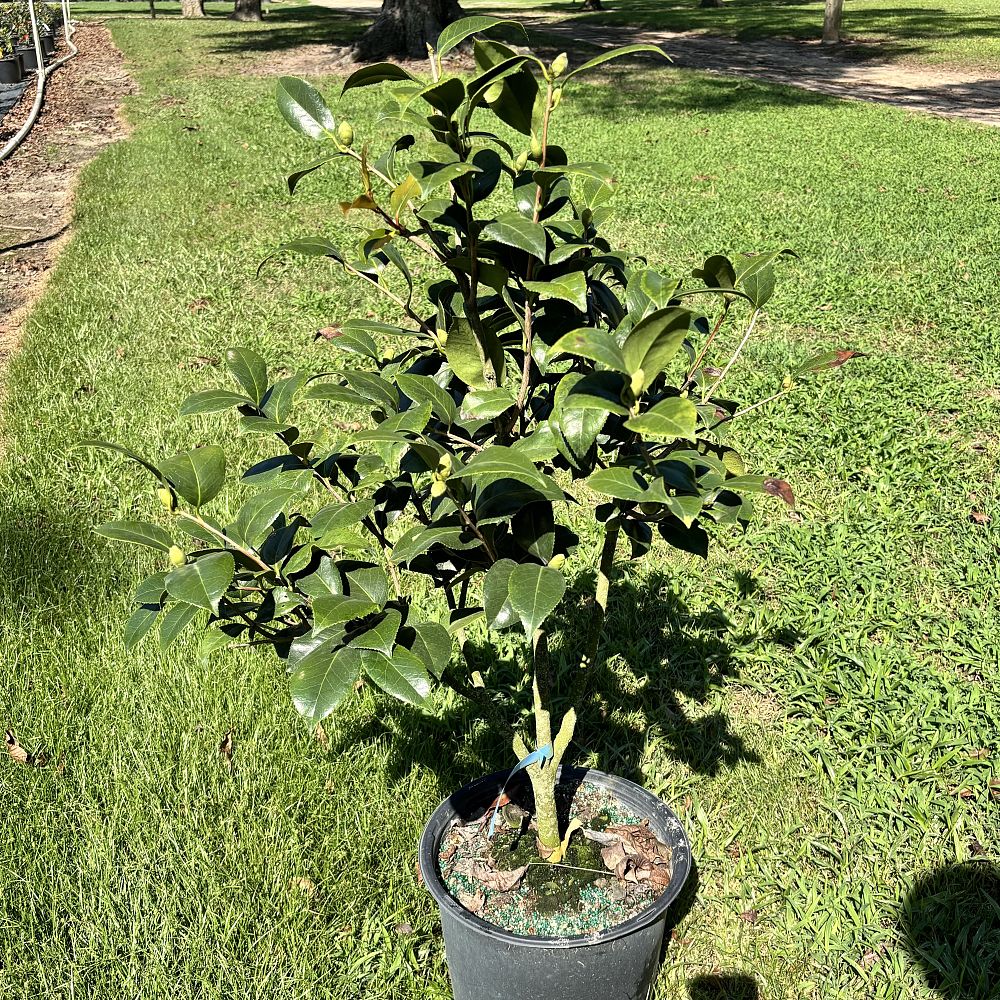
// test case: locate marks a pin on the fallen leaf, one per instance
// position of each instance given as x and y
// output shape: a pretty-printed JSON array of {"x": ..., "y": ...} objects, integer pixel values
[
  {"x": 305, "y": 885},
  {"x": 404, "y": 930},
  {"x": 779, "y": 488},
  {"x": 749, "y": 916},
  {"x": 226, "y": 747},
  {"x": 328, "y": 333},
  {"x": 995, "y": 789},
  {"x": 17, "y": 752},
  {"x": 599, "y": 836},
  {"x": 980, "y": 517},
  {"x": 868, "y": 959},
  {"x": 638, "y": 856},
  {"x": 979, "y": 753},
  {"x": 976, "y": 849},
  {"x": 198, "y": 305},
  {"x": 482, "y": 872},
  {"x": 321, "y": 738},
  {"x": 472, "y": 901},
  {"x": 962, "y": 793}
]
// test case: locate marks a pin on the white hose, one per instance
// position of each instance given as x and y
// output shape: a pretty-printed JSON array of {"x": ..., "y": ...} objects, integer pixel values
[{"x": 42, "y": 73}]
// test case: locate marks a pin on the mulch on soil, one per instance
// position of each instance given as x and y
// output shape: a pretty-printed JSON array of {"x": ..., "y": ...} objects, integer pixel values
[{"x": 79, "y": 118}]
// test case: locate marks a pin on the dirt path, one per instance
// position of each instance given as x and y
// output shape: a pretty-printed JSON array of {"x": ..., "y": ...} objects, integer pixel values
[
  {"x": 963, "y": 94},
  {"x": 78, "y": 119}
]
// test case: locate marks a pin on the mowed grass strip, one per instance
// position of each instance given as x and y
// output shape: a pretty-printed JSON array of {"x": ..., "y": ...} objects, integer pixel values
[{"x": 819, "y": 700}]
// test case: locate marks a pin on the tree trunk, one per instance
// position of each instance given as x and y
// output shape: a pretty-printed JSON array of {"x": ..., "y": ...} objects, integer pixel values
[
  {"x": 192, "y": 8},
  {"x": 152, "y": 9},
  {"x": 592, "y": 5},
  {"x": 405, "y": 28},
  {"x": 831, "y": 22},
  {"x": 247, "y": 10},
  {"x": 710, "y": 3}
]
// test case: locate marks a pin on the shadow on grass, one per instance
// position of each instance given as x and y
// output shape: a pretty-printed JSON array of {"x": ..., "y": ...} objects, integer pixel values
[
  {"x": 657, "y": 656},
  {"x": 725, "y": 986},
  {"x": 951, "y": 925},
  {"x": 291, "y": 28}
]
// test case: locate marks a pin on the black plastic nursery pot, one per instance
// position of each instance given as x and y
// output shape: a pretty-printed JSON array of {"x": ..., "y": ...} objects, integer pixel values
[
  {"x": 29, "y": 58},
  {"x": 487, "y": 961},
  {"x": 11, "y": 70},
  {"x": 48, "y": 45}
]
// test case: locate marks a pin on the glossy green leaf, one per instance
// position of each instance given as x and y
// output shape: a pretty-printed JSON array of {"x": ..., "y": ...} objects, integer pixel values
[
  {"x": 249, "y": 370},
  {"x": 257, "y": 515},
  {"x": 477, "y": 359},
  {"x": 382, "y": 636},
  {"x": 652, "y": 342},
  {"x": 624, "y": 50},
  {"x": 212, "y": 401},
  {"x": 302, "y": 106},
  {"x": 496, "y": 595},
  {"x": 499, "y": 462},
  {"x": 457, "y": 32},
  {"x": 402, "y": 675},
  {"x": 139, "y": 624},
  {"x": 322, "y": 679},
  {"x": 202, "y": 582},
  {"x": 596, "y": 344},
  {"x": 377, "y": 73},
  {"x": 138, "y": 533},
  {"x": 432, "y": 646},
  {"x": 535, "y": 592},
  {"x": 515, "y": 231},
  {"x": 423, "y": 389},
  {"x": 571, "y": 288},
  {"x": 619, "y": 482},
  {"x": 668, "y": 420},
  {"x": 176, "y": 618},
  {"x": 198, "y": 474}
]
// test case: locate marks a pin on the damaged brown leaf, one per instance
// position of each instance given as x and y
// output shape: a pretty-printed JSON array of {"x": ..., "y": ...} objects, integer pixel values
[
  {"x": 638, "y": 856},
  {"x": 480, "y": 871},
  {"x": 17, "y": 753}
]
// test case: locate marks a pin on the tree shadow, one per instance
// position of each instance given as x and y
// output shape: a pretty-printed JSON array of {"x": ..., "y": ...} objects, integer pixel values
[
  {"x": 292, "y": 28},
  {"x": 950, "y": 920},
  {"x": 657, "y": 657},
  {"x": 724, "y": 986}
]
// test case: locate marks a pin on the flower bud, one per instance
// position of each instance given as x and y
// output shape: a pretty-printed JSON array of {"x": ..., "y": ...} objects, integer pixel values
[
  {"x": 559, "y": 64},
  {"x": 521, "y": 162},
  {"x": 638, "y": 379},
  {"x": 345, "y": 133},
  {"x": 176, "y": 556},
  {"x": 444, "y": 467},
  {"x": 438, "y": 488},
  {"x": 536, "y": 147},
  {"x": 557, "y": 561},
  {"x": 167, "y": 498}
]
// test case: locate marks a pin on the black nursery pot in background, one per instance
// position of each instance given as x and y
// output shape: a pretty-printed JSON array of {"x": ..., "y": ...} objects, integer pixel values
[
  {"x": 48, "y": 45},
  {"x": 29, "y": 58},
  {"x": 11, "y": 70},
  {"x": 616, "y": 964}
]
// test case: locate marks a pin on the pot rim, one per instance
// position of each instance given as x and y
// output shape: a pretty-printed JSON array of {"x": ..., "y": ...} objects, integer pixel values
[{"x": 429, "y": 870}]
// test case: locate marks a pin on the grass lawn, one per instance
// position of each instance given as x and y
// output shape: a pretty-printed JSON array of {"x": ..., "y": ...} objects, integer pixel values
[
  {"x": 819, "y": 700},
  {"x": 956, "y": 32}
]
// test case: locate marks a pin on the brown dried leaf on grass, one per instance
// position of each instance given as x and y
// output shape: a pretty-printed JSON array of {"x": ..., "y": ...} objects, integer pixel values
[
  {"x": 17, "y": 753},
  {"x": 226, "y": 747},
  {"x": 480, "y": 871},
  {"x": 638, "y": 856}
]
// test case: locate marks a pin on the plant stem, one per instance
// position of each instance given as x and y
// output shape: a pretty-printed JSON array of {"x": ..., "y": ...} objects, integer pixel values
[{"x": 732, "y": 361}]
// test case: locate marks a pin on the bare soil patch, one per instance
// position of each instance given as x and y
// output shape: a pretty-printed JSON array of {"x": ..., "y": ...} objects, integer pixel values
[{"x": 78, "y": 119}]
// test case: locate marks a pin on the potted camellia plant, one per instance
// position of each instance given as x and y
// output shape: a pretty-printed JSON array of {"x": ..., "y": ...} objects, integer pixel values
[{"x": 537, "y": 379}]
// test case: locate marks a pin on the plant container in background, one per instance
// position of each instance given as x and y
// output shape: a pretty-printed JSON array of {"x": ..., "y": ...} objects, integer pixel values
[
  {"x": 619, "y": 963},
  {"x": 11, "y": 70},
  {"x": 29, "y": 58}
]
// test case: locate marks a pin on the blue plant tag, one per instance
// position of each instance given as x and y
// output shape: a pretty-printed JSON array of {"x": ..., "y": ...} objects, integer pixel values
[{"x": 538, "y": 756}]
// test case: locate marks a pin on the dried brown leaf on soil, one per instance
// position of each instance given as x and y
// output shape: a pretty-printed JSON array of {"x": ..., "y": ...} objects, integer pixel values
[
  {"x": 638, "y": 856},
  {"x": 480, "y": 871},
  {"x": 472, "y": 901}
]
